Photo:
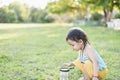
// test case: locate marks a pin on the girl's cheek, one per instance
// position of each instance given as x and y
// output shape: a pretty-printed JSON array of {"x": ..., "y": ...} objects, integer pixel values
[{"x": 72, "y": 47}]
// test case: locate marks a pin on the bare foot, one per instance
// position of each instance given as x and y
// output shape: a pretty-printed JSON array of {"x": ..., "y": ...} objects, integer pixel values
[{"x": 82, "y": 78}]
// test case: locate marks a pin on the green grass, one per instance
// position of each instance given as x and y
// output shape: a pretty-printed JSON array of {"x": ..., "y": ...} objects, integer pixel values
[{"x": 36, "y": 53}]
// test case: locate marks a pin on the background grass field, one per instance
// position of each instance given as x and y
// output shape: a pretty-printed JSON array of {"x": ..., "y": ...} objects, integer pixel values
[{"x": 36, "y": 53}]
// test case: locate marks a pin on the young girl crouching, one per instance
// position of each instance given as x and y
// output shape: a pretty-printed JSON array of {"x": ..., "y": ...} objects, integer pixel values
[{"x": 88, "y": 61}]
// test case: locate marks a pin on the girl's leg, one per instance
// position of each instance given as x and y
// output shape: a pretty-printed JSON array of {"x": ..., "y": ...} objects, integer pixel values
[
  {"x": 86, "y": 77},
  {"x": 82, "y": 68},
  {"x": 86, "y": 74},
  {"x": 89, "y": 69},
  {"x": 82, "y": 78}
]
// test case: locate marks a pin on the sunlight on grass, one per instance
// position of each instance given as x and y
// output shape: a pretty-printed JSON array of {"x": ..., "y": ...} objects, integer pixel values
[
  {"x": 9, "y": 36},
  {"x": 53, "y": 35},
  {"x": 15, "y": 26}
]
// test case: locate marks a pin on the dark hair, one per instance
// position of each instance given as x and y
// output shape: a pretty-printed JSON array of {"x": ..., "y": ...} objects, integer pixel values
[{"x": 76, "y": 34}]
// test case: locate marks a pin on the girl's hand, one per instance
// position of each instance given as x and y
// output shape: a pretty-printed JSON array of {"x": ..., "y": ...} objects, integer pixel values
[{"x": 68, "y": 64}]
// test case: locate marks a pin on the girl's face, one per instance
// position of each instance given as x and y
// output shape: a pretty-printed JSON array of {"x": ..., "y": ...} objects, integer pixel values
[{"x": 75, "y": 45}]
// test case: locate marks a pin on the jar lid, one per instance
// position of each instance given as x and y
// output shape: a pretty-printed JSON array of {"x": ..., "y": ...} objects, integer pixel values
[{"x": 64, "y": 69}]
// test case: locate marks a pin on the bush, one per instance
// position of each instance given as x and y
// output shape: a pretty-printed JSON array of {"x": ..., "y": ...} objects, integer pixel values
[
  {"x": 96, "y": 16},
  {"x": 49, "y": 18},
  {"x": 41, "y": 16},
  {"x": 117, "y": 15},
  {"x": 7, "y": 16}
]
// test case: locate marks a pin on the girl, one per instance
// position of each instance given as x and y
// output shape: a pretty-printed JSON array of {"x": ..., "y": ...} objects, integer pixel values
[{"x": 89, "y": 61}]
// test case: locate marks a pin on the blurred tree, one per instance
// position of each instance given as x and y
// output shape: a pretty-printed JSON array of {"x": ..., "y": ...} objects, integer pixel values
[
  {"x": 21, "y": 10},
  {"x": 40, "y": 16},
  {"x": 80, "y": 6},
  {"x": 7, "y": 16},
  {"x": 18, "y": 12},
  {"x": 106, "y": 5},
  {"x": 33, "y": 14},
  {"x": 64, "y": 6}
]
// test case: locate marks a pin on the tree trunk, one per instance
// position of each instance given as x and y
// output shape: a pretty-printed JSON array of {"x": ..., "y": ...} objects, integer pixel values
[{"x": 107, "y": 15}]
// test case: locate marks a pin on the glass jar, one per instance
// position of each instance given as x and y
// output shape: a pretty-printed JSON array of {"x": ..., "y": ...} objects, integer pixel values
[{"x": 64, "y": 74}]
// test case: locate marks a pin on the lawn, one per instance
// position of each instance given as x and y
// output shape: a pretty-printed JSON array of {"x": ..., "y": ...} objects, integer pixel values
[{"x": 36, "y": 53}]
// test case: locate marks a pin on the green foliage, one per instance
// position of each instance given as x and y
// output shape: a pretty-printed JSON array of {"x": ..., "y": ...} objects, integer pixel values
[
  {"x": 41, "y": 16},
  {"x": 97, "y": 16},
  {"x": 65, "y": 6},
  {"x": 117, "y": 16},
  {"x": 55, "y": 7},
  {"x": 20, "y": 13},
  {"x": 49, "y": 18},
  {"x": 21, "y": 10},
  {"x": 80, "y": 7},
  {"x": 7, "y": 16},
  {"x": 70, "y": 20},
  {"x": 4, "y": 58},
  {"x": 107, "y": 6}
]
